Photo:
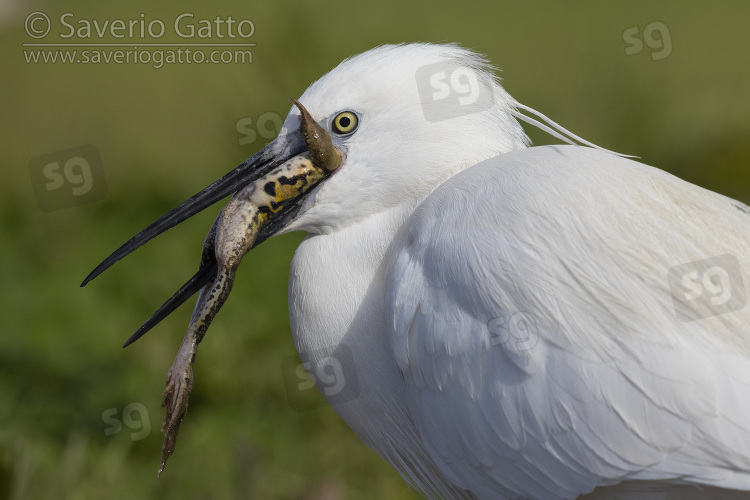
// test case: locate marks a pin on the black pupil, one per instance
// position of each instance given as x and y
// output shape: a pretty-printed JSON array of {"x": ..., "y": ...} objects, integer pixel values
[{"x": 344, "y": 122}]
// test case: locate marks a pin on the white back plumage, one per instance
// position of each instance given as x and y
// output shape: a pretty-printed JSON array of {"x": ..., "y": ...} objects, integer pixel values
[{"x": 506, "y": 312}]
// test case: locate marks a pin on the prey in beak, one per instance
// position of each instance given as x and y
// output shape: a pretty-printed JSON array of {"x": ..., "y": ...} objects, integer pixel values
[{"x": 268, "y": 191}]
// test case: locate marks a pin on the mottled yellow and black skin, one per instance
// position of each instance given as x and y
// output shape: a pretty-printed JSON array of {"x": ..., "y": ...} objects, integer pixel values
[
  {"x": 255, "y": 205},
  {"x": 231, "y": 236}
]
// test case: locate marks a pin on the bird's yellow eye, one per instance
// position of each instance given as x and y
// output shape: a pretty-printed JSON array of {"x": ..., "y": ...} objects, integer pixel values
[{"x": 345, "y": 123}]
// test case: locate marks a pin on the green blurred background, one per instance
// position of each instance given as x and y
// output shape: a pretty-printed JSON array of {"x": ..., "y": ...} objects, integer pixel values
[{"x": 165, "y": 133}]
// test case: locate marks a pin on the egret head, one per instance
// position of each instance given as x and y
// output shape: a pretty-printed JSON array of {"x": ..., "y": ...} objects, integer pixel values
[{"x": 406, "y": 117}]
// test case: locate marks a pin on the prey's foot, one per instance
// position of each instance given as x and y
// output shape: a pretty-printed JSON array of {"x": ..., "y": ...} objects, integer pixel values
[{"x": 176, "y": 395}]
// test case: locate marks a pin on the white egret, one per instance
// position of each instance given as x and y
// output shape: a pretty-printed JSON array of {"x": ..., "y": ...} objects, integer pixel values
[{"x": 520, "y": 322}]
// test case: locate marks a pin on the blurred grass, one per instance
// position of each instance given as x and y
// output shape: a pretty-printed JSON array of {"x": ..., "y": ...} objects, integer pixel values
[{"x": 165, "y": 133}]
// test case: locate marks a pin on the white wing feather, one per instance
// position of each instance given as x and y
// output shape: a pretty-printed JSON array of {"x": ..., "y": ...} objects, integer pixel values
[{"x": 534, "y": 325}]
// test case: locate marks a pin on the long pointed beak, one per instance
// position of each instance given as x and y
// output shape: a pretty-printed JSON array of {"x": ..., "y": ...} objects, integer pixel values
[
  {"x": 274, "y": 154},
  {"x": 287, "y": 168}
]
